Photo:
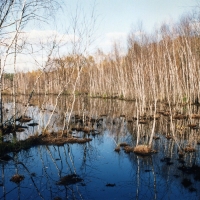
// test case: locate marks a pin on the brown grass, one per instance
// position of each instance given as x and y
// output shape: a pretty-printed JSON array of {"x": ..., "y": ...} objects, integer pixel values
[
  {"x": 195, "y": 116},
  {"x": 62, "y": 140},
  {"x": 189, "y": 149},
  {"x": 128, "y": 149},
  {"x": 40, "y": 140},
  {"x": 142, "y": 150}
]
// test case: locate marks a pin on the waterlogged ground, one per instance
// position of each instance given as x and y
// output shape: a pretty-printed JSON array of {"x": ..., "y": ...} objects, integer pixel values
[
  {"x": 104, "y": 173},
  {"x": 94, "y": 170}
]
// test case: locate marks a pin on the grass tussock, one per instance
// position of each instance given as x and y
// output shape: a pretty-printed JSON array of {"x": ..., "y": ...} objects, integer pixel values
[
  {"x": 142, "y": 150},
  {"x": 128, "y": 149},
  {"x": 16, "y": 146}
]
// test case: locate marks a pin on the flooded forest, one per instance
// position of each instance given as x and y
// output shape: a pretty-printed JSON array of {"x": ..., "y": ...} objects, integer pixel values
[{"x": 104, "y": 125}]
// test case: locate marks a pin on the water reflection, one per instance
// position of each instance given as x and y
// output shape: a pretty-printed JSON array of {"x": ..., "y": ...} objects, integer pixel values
[{"x": 94, "y": 170}]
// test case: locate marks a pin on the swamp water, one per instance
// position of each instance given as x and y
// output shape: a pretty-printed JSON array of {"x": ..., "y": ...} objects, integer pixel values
[{"x": 93, "y": 170}]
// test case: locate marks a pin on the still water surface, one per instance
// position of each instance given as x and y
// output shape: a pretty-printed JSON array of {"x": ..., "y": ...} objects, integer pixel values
[{"x": 103, "y": 173}]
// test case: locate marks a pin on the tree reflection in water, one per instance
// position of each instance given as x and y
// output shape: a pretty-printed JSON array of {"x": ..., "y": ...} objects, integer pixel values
[{"x": 95, "y": 169}]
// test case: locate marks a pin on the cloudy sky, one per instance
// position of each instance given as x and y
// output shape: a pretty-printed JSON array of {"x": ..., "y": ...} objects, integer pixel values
[
  {"x": 103, "y": 22},
  {"x": 118, "y": 17},
  {"x": 110, "y": 20}
]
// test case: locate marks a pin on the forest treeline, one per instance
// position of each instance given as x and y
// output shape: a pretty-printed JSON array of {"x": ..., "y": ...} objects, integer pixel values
[{"x": 162, "y": 66}]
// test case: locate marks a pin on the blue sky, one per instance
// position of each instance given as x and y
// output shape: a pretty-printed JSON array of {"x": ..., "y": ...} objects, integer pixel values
[
  {"x": 113, "y": 20},
  {"x": 116, "y": 18},
  {"x": 120, "y": 15}
]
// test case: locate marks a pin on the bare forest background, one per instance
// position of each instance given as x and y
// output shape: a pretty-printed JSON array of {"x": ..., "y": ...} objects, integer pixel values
[{"x": 162, "y": 66}]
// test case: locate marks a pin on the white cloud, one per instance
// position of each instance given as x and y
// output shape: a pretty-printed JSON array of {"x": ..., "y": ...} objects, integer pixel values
[
  {"x": 48, "y": 36},
  {"x": 139, "y": 33},
  {"x": 37, "y": 45},
  {"x": 35, "y": 37},
  {"x": 116, "y": 35},
  {"x": 110, "y": 38},
  {"x": 195, "y": 26},
  {"x": 23, "y": 63}
]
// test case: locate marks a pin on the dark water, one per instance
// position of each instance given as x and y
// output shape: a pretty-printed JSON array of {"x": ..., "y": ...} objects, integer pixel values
[{"x": 103, "y": 173}]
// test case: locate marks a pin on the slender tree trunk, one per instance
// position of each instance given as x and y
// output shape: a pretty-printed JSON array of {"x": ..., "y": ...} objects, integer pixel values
[{"x": 1, "y": 106}]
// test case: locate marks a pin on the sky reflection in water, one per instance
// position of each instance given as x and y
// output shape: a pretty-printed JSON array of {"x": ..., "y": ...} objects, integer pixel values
[
  {"x": 106, "y": 174},
  {"x": 131, "y": 176}
]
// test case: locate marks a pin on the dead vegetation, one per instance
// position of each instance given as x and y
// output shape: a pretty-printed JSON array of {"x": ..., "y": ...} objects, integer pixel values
[
  {"x": 17, "y": 178},
  {"x": 189, "y": 149},
  {"x": 69, "y": 180},
  {"x": 24, "y": 119},
  {"x": 128, "y": 149},
  {"x": 142, "y": 150},
  {"x": 52, "y": 140},
  {"x": 40, "y": 140}
]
